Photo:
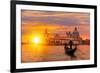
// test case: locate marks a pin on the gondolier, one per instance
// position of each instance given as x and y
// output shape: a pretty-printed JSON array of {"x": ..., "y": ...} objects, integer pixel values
[{"x": 69, "y": 50}]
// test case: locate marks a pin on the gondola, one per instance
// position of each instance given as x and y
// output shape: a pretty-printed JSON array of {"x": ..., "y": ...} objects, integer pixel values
[{"x": 70, "y": 51}]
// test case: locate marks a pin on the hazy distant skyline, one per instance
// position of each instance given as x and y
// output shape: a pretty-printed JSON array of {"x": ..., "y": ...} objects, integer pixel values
[{"x": 59, "y": 22}]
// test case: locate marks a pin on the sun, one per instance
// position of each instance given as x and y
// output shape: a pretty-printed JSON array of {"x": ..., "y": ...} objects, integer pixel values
[{"x": 36, "y": 40}]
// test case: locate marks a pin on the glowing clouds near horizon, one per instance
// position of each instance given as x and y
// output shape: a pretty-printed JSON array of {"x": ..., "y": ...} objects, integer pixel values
[{"x": 35, "y": 22}]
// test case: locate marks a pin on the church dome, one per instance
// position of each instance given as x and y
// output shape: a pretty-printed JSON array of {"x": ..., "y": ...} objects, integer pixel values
[{"x": 75, "y": 33}]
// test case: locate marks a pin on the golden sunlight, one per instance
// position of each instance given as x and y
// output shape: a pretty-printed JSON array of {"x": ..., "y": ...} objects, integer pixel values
[{"x": 36, "y": 40}]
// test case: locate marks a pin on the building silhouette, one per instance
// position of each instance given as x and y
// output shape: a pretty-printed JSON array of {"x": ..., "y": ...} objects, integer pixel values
[{"x": 59, "y": 39}]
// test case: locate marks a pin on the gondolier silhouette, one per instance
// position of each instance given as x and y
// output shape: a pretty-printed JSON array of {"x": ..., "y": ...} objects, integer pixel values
[{"x": 69, "y": 50}]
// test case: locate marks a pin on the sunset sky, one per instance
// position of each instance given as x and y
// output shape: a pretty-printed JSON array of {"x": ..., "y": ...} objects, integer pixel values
[{"x": 34, "y": 22}]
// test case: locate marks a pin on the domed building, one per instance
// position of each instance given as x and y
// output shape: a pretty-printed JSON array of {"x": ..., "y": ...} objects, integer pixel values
[
  {"x": 56, "y": 38},
  {"x": 75, "y": 33}
]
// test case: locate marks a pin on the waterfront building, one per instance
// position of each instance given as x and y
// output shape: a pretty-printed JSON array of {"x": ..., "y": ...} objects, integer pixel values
[{"x": 59, "y": 39}]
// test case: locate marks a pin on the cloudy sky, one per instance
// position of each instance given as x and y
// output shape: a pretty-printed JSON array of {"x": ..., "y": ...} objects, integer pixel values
[{"x": 56, "y": 22}]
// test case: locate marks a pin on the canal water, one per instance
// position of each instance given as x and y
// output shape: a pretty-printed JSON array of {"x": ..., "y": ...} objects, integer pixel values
[{"x": 43, "y": 53}]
